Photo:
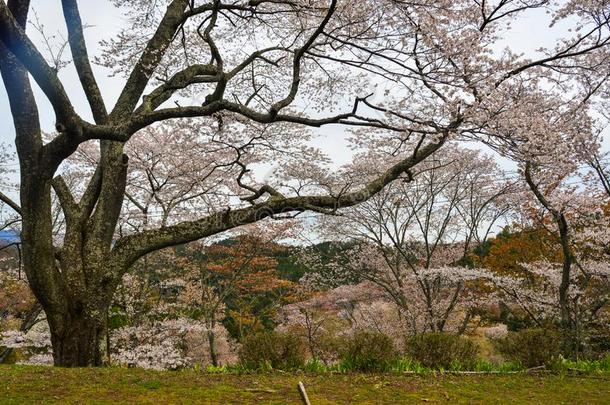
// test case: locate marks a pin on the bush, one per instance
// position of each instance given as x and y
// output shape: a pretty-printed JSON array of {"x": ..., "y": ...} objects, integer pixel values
[
  {"x": 531, "y": 347},
  {"x": 328, "y": 348},
  {"x": 441, "y": 350},
  {"x": 368, "y": 351},
  {"x": 271, "y": 349}
]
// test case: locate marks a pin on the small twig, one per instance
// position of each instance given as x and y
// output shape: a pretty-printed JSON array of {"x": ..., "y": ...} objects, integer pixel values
[
  {"x": 303, "y": 393},
  {"x": 537, "y": 368}
]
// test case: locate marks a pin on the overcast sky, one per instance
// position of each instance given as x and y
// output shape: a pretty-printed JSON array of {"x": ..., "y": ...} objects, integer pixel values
[{"x": 105, "y": 21}]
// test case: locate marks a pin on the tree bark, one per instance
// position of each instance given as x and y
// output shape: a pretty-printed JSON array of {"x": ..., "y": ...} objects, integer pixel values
[
  {"x": 77, "y": 337},
  {"x": 212, "y": 343},
  {"x": 564, "y": 287},
  {"x": 565, "y": 239}
]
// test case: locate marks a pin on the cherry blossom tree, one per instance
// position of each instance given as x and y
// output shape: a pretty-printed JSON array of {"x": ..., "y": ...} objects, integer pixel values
[
  {"x": 273, "y": 66},
  {"x": 570, "y": 204},
  {"x": 236, "y": 281},
  {"x": 536, "y": 292},
  {"x": 414, "y": 235},
  {"x": 322, "y": 318},
  {"x": 157, "y": 311},
  {"x": 581, "y": 223}
]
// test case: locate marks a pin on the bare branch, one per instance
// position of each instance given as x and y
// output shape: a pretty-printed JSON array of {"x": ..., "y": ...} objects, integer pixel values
[
  {"x": 8, "y": 201},
  {"x": 81, "y": 60},
  {"x": 14, "y": 38},
  {"x": 150, "y": 59}
]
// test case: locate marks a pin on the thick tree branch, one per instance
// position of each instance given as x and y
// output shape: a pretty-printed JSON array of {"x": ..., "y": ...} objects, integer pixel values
[
  {"x": 66, "y": 200},
  {"x": 190, "y": 75},
  {"x": 150, "y": 59},
  {"x": 141, "y": 121},
  {"x": 132, "y": 247},
  {"x": 111, "y": 192},
  {"x": 80, "y": 56},
  {"x": 14, "y": 38},
  {"x": 19, "y": 91}
]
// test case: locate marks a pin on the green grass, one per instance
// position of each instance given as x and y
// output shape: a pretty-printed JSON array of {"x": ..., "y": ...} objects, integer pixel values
[
  {"x": 398, "y": 366},
  {"x": 26, "y": 384},
  {"x": 587, "y": 366},
  {"x": 406, "y": 365}
]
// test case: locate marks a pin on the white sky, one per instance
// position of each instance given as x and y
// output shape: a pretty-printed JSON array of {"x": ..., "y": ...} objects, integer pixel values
[{"x": 528, "y": 34}]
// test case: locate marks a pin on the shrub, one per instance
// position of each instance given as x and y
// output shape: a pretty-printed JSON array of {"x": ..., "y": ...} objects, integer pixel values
[
  {"x": 368, "y": 351},
  {"x": 441, "y": 350},
  {"x": 271, "y": 349},
  {"x": 329, "y": 348},
  {"x": 531, "y": 347}
]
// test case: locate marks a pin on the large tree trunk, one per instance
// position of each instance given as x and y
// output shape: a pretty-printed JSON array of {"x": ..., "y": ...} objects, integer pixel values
[
  {"x": 69, "y": 287},
  {"x": 87, "y": 277},
  {"x": 75, "y": 288},
  {"x": 78, "y": 339}
]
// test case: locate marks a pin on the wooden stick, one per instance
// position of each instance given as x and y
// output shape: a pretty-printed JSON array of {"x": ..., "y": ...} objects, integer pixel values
[{"x": 303, "y": 393}]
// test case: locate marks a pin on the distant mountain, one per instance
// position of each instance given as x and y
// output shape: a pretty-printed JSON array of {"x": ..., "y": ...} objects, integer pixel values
[{"x": 8, "y": 237}]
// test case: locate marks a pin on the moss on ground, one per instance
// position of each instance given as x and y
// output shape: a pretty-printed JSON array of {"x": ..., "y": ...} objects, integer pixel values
[{"x": 26, "y": 384}]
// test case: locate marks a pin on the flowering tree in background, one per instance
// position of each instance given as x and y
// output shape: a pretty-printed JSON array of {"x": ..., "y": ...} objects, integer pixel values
[
  {"x": 320, "y": 318},
  {"x": 178, "y": 301},
  {"x": 568, "y": 207},
  {"x": 579, "y": 217},
  {"x": 414, "y": 235},
  {"x": 154, "y": 320},
  {"x": 235, "y": 65},
  {"x": 236, "y": 282}
]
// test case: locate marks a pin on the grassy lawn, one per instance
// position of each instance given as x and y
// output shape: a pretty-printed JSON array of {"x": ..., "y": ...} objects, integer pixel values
[{"x": 25, "y": 384}]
